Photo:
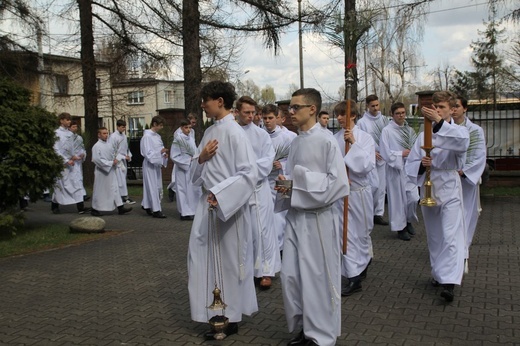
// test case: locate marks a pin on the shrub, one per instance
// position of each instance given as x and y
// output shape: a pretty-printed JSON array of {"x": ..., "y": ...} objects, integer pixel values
[{"x": 28, "y": 162}]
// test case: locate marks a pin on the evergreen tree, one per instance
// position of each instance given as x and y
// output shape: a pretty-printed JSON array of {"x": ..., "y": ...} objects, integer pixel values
[{"x": 28, "y": 162}]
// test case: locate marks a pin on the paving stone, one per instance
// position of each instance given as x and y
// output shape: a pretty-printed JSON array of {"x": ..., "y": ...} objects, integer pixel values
[{"x": 131, "y": 289}]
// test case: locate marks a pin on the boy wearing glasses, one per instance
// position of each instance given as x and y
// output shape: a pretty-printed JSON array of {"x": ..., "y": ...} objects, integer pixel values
[{"x": 310, "y": 273}]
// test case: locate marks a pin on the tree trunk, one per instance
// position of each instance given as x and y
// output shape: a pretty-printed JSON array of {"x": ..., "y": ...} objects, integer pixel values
[
  {"x": 192, "y": 59},
  {"x": 351, "y": 41},
  {"x": 90, "y": 94}
]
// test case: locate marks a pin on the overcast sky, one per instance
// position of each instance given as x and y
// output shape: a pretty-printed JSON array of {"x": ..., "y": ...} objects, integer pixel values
[{"x": 450, "y": 28}]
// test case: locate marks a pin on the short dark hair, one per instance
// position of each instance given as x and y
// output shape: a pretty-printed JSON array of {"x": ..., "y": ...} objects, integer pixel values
[
  {"x": 185, "y": 123},
  {"x": 323, "y": 113},
  {"x": 192, "y": 116},
  {"x": 75, "y": 122},
  {"x": 120, "y": 122},
  {"x": 215, "y": 89},
  {"x": 341, "y": 108},
  {"x": 158, "y": 120},
  {"x": 246, "y": 99},
  {"x": 463, "y": 101},
  {"x": 371, "y": 98},
  {"x": 270, "y": 108},
  {"x": 311, "y": 96},
  {"x": 101, "y": 129},
  {"x": 64, "y": 115},
  {"x": 395, "y": 106}
]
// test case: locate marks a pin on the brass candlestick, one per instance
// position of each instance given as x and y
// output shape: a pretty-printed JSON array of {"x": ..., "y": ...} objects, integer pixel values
[{"x": 428, "y": 200}]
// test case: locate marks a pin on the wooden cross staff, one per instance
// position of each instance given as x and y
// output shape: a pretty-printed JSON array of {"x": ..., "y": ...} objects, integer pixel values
[{"x": 348, "y": 81}]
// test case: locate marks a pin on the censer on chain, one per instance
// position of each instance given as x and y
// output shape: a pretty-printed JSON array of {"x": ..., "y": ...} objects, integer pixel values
[{"x": 218, "y": 323}]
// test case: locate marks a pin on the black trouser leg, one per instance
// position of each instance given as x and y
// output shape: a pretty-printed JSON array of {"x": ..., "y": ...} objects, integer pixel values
[{"x": 80, "y": 206}]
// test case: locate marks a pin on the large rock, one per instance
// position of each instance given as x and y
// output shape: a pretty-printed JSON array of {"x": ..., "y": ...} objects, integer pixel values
[{"x": 87, "y": 224}]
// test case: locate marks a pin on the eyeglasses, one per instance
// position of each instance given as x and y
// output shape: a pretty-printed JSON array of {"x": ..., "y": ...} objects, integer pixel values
[{"x": 296, "y": 108}]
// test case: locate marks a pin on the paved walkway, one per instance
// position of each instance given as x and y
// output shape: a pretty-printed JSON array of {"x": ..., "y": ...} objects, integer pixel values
[{"x": 131, "y": 289}]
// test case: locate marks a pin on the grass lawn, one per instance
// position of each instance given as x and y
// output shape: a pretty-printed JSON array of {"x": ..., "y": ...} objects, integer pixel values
[{"x": 38, "y": 238}]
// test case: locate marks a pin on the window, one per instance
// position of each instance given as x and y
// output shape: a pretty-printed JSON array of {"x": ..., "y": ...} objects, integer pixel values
[
  {"x": 61, "y": 84},
  {"x": 98, "y": 86},
  {"x": 136, "y": 97},
  {"x": 168, "y": 96},
  {"x": 136, "y": 127}
]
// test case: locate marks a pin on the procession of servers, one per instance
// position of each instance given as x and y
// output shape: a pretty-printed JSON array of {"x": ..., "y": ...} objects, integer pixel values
[{"x": 264, "y": 200}]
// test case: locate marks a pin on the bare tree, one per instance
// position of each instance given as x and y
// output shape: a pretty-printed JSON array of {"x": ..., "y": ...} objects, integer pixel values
[
  {"x": 390, "y": 43},
  {"x": 442, "y": 76},
  {"x": 393, "y": 57},
  {"x": 23, "y": 16}
]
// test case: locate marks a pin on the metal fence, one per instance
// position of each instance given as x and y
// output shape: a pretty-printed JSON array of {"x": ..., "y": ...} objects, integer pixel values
[{"x": 500, "y": 120}]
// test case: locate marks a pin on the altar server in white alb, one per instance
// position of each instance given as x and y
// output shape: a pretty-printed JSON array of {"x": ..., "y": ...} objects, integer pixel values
[
  {"x": 119, "y": 141},
  {"x": 220, "y": 247},
  {"x": 81, "y": 154},
  {"x": 280, "y": 120},
  {"x": 105, "y": 196},
  {"x": 281, "y": 143},
  {"x": 66, "y": 190},
  {"x": 396, "y": 142},
  {"x": 311, "y": 275},
  {"x": 360, "y": 160},
  {"x": 265, "y": 246},
  {"x": 373, "y": 123},
  {"x": 192, "y": 119},
  {"x": 155, "y": 156},
  {"x": 182, "y": 151},
  {"x": 471, "y": 171},
  {"x": 444, "y": 225}
]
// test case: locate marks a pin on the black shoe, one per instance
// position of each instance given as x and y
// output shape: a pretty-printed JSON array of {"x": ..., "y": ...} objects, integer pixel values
[
  {"x": 171, "y": 195},
  {"x": 148, "y": 210},
  {"x": 434, "y": 282},
  {"x": 309, "y": 342},
  {"x": 297, "y": 340},
  {"x": 353, "y": 287},
  {"x": 364, "y": 273},
  {"x": 403, "y": 235},
  {"x": 378, "y": 220},
  {"x": 84, "y": 211},
  {"x": 187, "y": 218},
  {"x": 410, "y": 229},
  {"x": 122, "y": 210},
  {"x": 94, "y": 212},
  {"x": 158, "y": 215},
  {"x": 447, "y": 293},
  {"x": 232, "y": 328}
]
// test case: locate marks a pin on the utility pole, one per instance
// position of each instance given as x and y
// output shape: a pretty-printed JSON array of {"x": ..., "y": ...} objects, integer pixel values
[{"x": 300, "y": 41}]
